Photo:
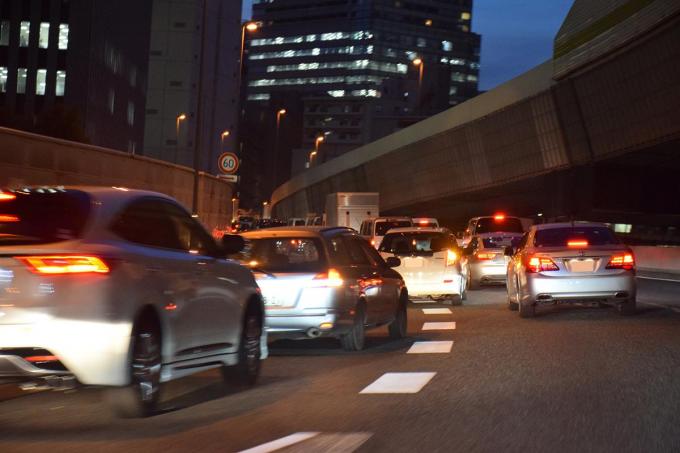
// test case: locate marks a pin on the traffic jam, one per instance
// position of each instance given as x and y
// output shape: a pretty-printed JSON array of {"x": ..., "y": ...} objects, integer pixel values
[{"x": 125, "y": 290}]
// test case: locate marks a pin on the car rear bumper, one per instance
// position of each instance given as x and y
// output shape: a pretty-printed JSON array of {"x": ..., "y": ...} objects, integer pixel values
[
  {"x": 609, "y": 288},
  {"x": 310, "y": 323},
  {"x": 488, "y": 272},
  {"x": 424, "y": 288}
]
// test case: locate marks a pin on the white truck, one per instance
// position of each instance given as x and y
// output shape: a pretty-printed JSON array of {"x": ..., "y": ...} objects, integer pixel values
[{"x": 351, "y": 208}]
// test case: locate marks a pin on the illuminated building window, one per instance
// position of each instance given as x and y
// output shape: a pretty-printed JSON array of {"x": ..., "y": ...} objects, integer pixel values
[
  {"x": 351, "y": 50},
  {"x": 447, "y": 45},
  {"x": 457, "y": 77},
  {"x": 315, "y": 80},
  {"x": 63, "y": 36},
  {"x": 465, "y": 15},
  {"x": 44, "y": 38},
  {"x": 24, "y": 33},
  {"x": 397, "y": 68},
  {"x": 4, "y": 33},
  {"x": 21, "y": 80},
  {"x": 259, "y": 97},
  {"x": 428, "y": 22},
  {"x": 332, "y": 36},
  {"x": 453, "y": 91},
  {"x": 624, "y": 228},
  {"x": 40, "y": 82},
  {"x": 61, "y": 83},
  {"x": 3, "y": 79},
  {"x": 421, "y": 42},
  {"x": 471, "y": 78}
]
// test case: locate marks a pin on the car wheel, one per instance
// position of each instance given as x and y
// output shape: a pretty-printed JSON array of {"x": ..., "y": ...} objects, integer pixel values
[
  {"x": 628, "y": 307},
  {"x": 355, "y": 338},
  {"x": 246, "y": 372},
  {"x": 398, "y": 327},
  {"x": 527, "y": 310},
  {"x": 140, "y": 397}
]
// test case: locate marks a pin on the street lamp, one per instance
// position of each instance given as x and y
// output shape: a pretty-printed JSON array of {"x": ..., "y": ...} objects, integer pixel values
[
  {"x": 181, "y": 117},
  {"x": 279, "y": 114},
  {"x": 421, "y": 65},
  {"x": 224, "y": 135},
  {"x": 251, "y": 27}
]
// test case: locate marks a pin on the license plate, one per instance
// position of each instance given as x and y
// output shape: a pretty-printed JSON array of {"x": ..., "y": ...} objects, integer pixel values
[
  {"x": 413, "y": 262},
  {"x": 582, "y": 265},
  {"x": 274, "y": 301}
]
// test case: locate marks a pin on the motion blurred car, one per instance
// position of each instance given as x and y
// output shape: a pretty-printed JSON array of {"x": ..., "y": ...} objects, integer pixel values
[
  {"x": 325, "y": 282},
  {"x": 120, "y": 288},
  {"x": 571, "y": 262},
  {"x": 432, "y": 264},
  {"x": 374, "y": 229},
  {"x": 296, "y": 221},
  {"x": 262, "y": 224},
  {"x": 487, "y": 262},
  {"x": 243, "y": 223},
  {"x": 425, "y": 222},
  {"x": 497, "y": 223}
]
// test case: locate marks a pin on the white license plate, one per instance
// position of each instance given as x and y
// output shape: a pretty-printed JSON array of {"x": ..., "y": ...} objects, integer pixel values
[
  {"x": 274, "y": 301},
  {"x": 582, "y": 265},
  {"x": 413, "y": 262}
]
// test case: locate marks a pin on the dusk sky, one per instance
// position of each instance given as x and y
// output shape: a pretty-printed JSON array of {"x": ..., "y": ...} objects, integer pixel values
[{"x": 516, "y": 35}]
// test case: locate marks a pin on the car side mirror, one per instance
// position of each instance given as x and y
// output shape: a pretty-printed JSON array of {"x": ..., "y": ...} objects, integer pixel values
[
  {"x": 232, "y": 244},
  {"x": 393, "y": 261},
  {"x": 509, "y": 251}
]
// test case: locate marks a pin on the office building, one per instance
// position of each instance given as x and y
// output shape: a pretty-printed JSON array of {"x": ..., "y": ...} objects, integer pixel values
[
  {"x": 75, "y": 69},
  {"x": 174, "y": 73},
  {"x": 361, "y": 69}
]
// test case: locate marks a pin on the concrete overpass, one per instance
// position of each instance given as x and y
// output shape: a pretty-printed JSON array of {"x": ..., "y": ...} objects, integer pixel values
[
  {"x": 593, "y": 133},
  {"x": 29, "y": 159}
]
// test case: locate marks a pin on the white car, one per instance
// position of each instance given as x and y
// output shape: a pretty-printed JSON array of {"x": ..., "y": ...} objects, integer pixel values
[
  {"x": 123, "y": 289},
  {"x": 374, "y": 229},
  {"x": 432, "y": 264}
]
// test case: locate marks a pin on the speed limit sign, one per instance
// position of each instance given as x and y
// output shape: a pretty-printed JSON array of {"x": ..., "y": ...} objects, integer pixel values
[{"x": 228, "y": 163}]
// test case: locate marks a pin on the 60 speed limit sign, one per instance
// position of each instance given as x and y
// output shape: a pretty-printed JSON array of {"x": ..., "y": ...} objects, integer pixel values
[{"x": 228, "y": 163}]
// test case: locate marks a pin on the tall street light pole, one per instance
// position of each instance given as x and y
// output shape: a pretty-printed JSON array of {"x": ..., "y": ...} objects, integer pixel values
[
  {"x": 199, "y": 109},
  {"x": 223, "y": 136},
  {"x": 317, "y": 142},
  {"x": 181, "y": 117},
  {"x": 421, "y": 67},
  {"x": 279, "y": 115}
]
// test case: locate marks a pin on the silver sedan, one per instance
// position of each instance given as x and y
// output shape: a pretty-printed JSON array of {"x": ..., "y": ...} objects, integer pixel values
[
  {"x": 123, "y": 289},
  {"x": 570, "y": 262}
]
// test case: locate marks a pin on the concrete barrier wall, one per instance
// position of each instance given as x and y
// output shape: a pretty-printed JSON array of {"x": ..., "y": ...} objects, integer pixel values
[
  {"x": 658, "y": 259},
  {"x": 29, "y": 159}
]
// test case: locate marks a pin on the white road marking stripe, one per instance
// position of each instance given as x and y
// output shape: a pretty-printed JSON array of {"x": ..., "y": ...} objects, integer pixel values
[
  {"x": 281, "y": 443},
  {"x": 422, "y": 301},
  {"x": 439, "y": 326},
  {"x": 399, "y": 383},
  {"x": 675, "y": 309},
  {"x": 430, "y": 347},
  {"x": 659, "y": 279},
  {"x": 331, "y": 442},
  {"x": 436, "y": 311}
]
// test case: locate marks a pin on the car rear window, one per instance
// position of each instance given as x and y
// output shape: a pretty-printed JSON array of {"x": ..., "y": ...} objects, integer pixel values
[
  {"x": 559, "y": 237},
  {"x": 284, "y": 254},
  {"x": 501, "y": 241},
  {"x": 383, "y": 226},
  {"x": 492, "y": 225},
  {"x": 416, "y": 243},
  {"x": 43, "y": 216}
]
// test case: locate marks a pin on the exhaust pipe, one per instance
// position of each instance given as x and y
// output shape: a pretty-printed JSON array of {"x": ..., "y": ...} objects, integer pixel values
[{"x": 313, "y": 332}]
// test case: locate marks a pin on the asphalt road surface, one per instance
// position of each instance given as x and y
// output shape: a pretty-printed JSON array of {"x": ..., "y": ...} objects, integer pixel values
[{"x": 572, "y": 379}]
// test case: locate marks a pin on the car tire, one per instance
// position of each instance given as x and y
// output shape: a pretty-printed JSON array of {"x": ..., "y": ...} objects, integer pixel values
[
  {"x": 354, "y": 339},
  {"x": 455, "y": 300},
  {"x": 398, "y": 328},
  {"x": 527, "y": 310},
  {"x": 247, "y": 371},
  {"x": 473, "y": 283},
  {"x": 140, "y": 397},
  {"x": 628, "y": 307}
]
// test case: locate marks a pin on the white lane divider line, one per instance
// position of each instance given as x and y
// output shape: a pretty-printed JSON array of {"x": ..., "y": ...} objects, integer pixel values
[
  {"x": 313, "y": 442},
  {"x": 430, "y": 347},
  {"x": 436, "y": 311},
  {"x": 439, "y": 326},
  {"x": 399, "y": 383},
  {"x": 281, "y": 443}
]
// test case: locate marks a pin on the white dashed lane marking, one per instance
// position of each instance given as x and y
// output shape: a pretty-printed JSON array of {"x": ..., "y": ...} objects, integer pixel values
[
  {"x": 439, "y": 326},
  {"x": 399, "y": 383},
  {"x": 430, "y": 347},
  {"x": 313, "y": 442},
  {"x": 436, "y": 311}
]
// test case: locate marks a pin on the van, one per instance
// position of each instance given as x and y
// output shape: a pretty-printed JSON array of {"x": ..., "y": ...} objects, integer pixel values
[{"x": 374, "y": 229}]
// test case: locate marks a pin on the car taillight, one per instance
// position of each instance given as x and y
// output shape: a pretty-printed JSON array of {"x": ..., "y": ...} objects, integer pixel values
[
  {"x": 330, "y": 279},
  {"x": 55, "y": 265},
  {"x": 8, "y": 218},
  {"x": 499, "y": 217},
  {"x": 485, "y": 256},
  {"x": 625, "y": 261},
  {"x": 577, "y": 243},
  {"x": 541, "y": 264},
  {"x": 451, "y": 258},
  {"x": 4, "y": 196}
]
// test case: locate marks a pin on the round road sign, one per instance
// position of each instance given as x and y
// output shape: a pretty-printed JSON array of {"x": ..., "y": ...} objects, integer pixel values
[{"x": 228, "y": 163}]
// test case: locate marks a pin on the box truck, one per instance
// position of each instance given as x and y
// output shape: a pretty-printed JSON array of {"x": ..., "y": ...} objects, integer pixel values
[{"x": 351, "y": 208}]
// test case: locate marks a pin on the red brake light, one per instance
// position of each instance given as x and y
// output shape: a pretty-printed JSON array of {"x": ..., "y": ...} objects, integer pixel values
[
  {"x": 499, "y": 217},
  {"x": 41, "y": 358},
  {"x": 8, "y": 218},
  {"x": 625, "y": 261},
  {"x": 577, "y": 243},
  {"x": 4, "y": 196},
  {"x": 423, "y": 222},
  {"x": 541, "y": 264},
  {"x": 56, "y": 265},
  {"x": 485, "y": 256},
  {"x": 330, "y": 279}
]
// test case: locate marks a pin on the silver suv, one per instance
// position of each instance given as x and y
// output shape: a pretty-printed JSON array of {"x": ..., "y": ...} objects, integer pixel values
[{"x": 325, "y": 282}]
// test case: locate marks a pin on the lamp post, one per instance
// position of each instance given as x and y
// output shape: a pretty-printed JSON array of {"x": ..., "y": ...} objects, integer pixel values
[
  {"x": 421, "y": 67},
  {"x": 199, "y": 110},
  {"x": 317, "y": 142},
  {"x": 279, "y": 115},
  {"x": 223, "y": 135},
  {"x": 181, "y": 117}
]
